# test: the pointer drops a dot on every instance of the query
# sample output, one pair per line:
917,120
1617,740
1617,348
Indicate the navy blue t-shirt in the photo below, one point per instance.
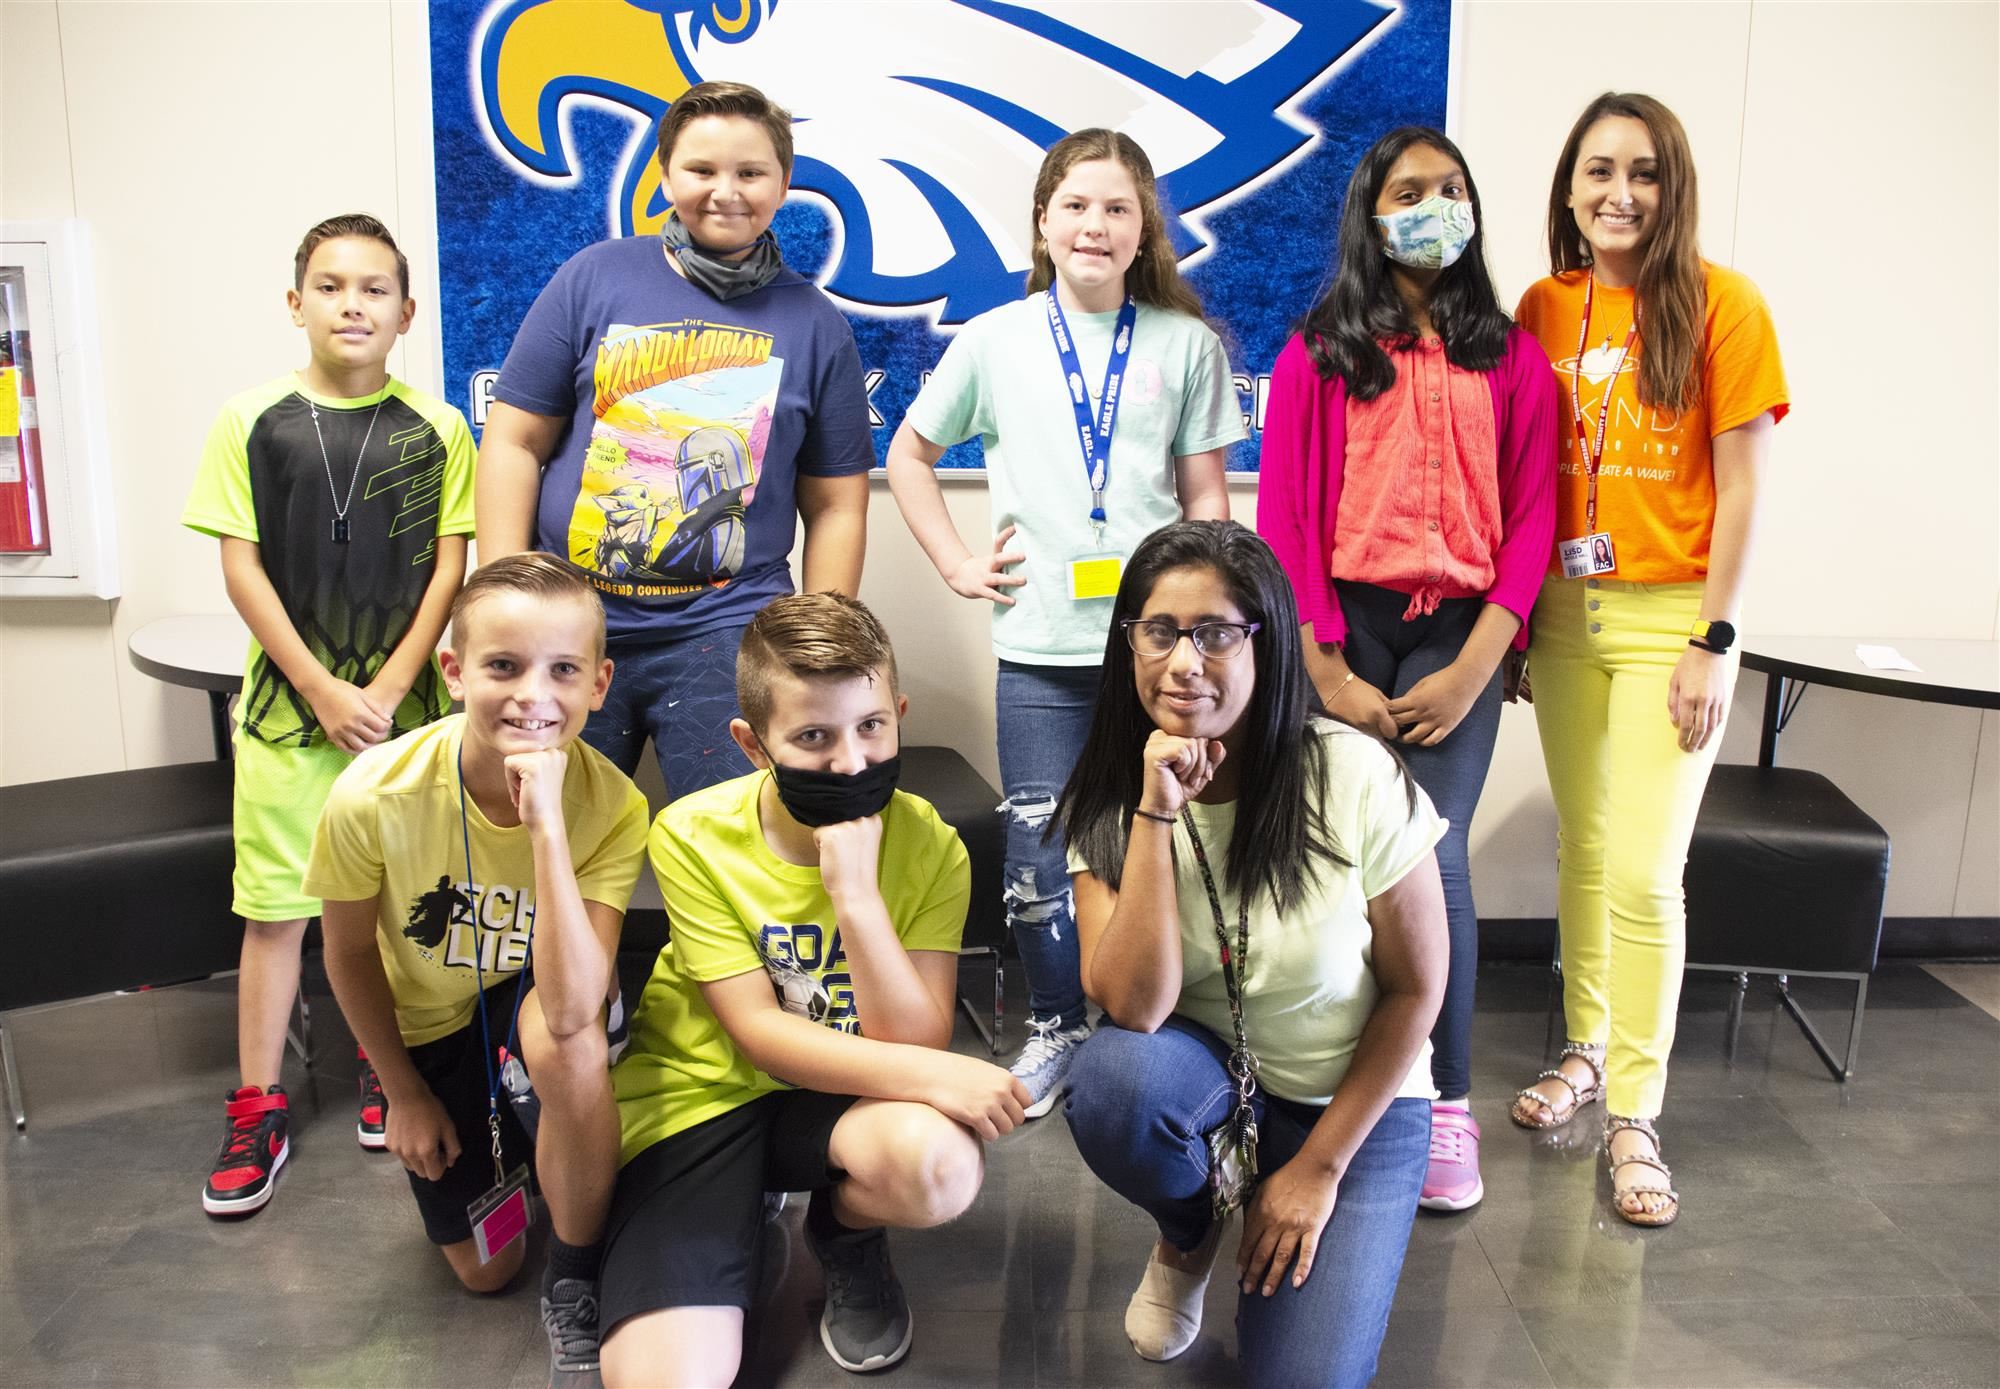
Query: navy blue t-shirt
672,488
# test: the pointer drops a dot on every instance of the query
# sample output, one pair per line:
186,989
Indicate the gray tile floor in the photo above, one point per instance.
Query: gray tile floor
1831,1236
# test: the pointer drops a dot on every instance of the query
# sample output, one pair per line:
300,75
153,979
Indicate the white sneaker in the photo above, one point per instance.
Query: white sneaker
1043,1065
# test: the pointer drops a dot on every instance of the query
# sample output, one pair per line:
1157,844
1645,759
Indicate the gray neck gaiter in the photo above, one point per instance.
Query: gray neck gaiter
725,279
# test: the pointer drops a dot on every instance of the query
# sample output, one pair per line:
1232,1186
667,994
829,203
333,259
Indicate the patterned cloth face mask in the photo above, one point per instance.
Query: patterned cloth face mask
1429,236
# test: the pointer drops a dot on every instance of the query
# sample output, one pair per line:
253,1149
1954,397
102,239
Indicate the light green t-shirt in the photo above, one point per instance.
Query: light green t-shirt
1310,986
737,907
1001,380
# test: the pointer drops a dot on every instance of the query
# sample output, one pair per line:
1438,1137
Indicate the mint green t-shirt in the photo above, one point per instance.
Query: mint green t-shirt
1310,985
1002,381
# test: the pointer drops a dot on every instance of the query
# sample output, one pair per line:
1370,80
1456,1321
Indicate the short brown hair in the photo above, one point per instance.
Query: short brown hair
348,224
728,99
808,634
531,572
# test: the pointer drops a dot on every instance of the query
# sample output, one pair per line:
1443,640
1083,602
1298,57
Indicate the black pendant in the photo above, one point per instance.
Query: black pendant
340,530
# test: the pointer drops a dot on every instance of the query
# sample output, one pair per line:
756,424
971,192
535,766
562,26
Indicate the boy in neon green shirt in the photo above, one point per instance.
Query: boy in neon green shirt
343,500
793,1033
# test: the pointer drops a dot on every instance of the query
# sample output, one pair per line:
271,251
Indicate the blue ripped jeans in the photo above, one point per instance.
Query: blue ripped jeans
682,695
1044,715
1139,1106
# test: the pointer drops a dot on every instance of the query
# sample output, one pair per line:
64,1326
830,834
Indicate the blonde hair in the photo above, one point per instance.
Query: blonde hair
808,634
1155,275
531,572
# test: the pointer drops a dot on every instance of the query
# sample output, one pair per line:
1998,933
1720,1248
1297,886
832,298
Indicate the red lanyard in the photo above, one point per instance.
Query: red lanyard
1594,456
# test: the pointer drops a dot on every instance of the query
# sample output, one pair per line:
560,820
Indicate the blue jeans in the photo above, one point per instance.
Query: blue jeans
682,695
1044,715
1139,1105
1393,655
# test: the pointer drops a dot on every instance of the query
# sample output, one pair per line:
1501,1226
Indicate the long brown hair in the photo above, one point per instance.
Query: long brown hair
1154,277
1672,286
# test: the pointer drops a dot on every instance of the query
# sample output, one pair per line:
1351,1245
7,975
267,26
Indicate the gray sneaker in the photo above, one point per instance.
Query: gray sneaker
570,1318
1043,1065
866,1324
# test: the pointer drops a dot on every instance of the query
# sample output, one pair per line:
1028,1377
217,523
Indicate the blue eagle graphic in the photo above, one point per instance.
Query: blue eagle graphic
921,139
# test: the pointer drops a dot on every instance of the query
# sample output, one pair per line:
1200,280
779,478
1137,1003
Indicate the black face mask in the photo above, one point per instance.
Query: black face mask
724,278
829,798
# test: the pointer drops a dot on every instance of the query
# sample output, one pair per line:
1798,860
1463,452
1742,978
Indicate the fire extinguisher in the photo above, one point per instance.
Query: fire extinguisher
24,509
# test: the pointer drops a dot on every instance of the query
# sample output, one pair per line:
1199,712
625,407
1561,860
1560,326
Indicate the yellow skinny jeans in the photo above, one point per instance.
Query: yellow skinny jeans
1603,653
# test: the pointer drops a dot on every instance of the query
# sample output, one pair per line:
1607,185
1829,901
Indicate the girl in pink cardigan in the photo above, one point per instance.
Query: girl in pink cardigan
1407,485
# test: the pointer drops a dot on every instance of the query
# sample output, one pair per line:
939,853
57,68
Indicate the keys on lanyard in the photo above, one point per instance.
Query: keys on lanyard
1094,433
500,1215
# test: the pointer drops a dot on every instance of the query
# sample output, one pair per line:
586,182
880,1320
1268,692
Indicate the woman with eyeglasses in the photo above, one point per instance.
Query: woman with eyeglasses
1260,918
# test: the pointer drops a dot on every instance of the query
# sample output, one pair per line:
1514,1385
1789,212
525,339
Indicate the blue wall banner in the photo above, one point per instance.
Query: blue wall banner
919,128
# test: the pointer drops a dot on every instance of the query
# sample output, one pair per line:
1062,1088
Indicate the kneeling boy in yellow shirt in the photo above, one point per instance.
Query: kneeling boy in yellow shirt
816,914
448,858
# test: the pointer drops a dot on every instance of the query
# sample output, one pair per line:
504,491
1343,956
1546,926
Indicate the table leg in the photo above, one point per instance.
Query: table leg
1774,708
218,723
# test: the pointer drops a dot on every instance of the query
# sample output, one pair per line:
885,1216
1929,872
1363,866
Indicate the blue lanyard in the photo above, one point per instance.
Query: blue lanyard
1094,435
479,982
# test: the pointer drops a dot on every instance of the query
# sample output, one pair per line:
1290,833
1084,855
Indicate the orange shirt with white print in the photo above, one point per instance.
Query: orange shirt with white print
1656,489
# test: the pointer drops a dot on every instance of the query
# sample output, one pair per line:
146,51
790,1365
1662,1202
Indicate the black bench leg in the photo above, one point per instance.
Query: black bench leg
10,1079
1555,1002
300,1038
1819,1045
1735,1017
989,1034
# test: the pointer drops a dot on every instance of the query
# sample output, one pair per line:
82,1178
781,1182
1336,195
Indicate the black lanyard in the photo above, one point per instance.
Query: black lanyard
1242,1061
479,983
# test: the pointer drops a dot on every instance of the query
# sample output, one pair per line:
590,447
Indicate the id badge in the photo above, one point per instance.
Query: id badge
1094,576
1586,555
500,1216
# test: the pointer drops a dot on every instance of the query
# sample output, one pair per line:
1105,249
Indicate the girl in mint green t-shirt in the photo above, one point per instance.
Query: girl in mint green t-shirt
1105,406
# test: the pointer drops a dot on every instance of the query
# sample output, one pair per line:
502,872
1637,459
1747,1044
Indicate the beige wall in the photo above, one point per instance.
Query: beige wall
1830,138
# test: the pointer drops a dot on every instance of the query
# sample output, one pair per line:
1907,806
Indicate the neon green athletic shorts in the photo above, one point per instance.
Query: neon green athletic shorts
280,792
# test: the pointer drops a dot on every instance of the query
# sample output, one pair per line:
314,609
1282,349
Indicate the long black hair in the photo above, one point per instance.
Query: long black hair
1361,310
1280,828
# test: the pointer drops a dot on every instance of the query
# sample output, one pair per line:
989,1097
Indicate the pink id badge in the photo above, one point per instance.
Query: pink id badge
1586,555
500,1216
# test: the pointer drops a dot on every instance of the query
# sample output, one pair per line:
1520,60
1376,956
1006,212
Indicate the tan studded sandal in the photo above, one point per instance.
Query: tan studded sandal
1663,1186
1526,1101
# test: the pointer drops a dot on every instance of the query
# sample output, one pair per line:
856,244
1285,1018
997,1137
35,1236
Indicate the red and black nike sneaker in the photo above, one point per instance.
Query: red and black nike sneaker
256,1146
371,1124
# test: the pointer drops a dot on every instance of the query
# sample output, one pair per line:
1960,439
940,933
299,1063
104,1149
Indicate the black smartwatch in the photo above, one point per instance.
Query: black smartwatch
1713,636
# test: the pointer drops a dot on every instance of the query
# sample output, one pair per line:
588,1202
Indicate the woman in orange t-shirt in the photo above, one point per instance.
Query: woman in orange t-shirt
1669,370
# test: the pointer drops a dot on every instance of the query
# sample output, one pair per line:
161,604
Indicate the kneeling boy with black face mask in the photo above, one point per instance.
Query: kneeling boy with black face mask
816,914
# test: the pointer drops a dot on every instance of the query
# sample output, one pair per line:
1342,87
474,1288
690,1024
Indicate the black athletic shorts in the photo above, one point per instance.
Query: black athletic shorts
455,1069
687,1216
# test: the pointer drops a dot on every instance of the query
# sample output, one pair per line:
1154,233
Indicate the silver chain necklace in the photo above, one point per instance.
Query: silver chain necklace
340,506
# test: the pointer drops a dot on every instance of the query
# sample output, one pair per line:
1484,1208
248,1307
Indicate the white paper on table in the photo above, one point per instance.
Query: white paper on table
1885,658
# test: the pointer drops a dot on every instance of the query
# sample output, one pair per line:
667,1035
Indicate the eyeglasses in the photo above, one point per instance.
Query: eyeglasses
1153,636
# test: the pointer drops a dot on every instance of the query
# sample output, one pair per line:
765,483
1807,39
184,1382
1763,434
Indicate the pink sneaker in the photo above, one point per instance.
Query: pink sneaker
1451,1183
